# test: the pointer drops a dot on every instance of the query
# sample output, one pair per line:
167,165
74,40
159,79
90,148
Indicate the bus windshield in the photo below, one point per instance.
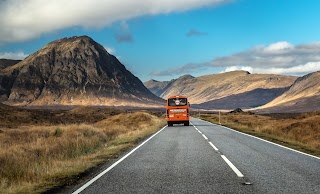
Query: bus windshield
177,102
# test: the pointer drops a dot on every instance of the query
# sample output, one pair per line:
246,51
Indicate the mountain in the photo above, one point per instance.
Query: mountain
302,96
160,88
4,63
225,90
73,71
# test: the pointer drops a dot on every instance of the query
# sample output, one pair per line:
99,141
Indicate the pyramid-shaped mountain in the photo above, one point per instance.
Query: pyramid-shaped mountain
73,71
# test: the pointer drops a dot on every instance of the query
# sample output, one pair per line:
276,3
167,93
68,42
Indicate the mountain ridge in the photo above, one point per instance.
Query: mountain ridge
157,87
218,86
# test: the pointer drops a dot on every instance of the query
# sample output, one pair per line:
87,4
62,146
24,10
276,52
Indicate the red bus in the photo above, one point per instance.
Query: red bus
178,110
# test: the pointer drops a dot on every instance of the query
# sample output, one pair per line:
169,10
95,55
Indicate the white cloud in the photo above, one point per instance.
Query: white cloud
237,68
276,55
11,55
276,58
296,70
278,46
27,19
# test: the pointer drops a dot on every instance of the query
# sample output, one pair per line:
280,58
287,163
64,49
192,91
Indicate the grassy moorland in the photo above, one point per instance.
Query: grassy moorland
298,131
42,149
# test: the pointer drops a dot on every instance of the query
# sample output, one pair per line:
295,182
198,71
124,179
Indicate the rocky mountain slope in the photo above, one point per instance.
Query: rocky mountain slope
4,63
302,96
73,71
225,90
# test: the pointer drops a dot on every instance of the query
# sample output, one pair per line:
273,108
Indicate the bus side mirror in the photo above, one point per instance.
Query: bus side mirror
189,104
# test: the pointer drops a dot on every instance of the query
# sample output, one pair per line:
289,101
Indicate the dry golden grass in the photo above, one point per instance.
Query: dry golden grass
300,132
36,158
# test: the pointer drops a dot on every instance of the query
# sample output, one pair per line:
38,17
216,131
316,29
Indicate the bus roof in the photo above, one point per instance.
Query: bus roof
178,96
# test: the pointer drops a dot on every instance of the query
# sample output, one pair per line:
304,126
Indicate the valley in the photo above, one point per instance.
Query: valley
71,108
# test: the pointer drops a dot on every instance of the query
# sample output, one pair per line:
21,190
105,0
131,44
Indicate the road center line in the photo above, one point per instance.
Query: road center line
197,129
238,173
233,167
205,137
214,147
113,165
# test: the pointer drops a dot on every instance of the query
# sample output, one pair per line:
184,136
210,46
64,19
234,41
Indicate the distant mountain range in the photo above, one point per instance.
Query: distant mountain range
72,71
79,71
237,89
240,89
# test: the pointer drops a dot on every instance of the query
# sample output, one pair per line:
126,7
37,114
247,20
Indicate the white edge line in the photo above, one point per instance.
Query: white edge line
83,187
239,174
205,137
273,143
214,147
268,142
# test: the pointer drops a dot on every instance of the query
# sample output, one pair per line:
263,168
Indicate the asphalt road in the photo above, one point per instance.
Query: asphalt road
206,158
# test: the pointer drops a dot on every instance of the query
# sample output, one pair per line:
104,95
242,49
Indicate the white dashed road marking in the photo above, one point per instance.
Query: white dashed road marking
214,147
233,167
205,137
238,173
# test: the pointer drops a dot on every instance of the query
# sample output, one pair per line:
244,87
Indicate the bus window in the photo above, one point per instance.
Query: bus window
177,102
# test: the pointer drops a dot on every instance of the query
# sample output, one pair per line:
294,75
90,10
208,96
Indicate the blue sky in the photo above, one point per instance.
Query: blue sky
165,39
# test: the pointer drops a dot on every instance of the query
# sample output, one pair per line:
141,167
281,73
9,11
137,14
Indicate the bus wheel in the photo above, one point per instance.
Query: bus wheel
186,123
170,124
